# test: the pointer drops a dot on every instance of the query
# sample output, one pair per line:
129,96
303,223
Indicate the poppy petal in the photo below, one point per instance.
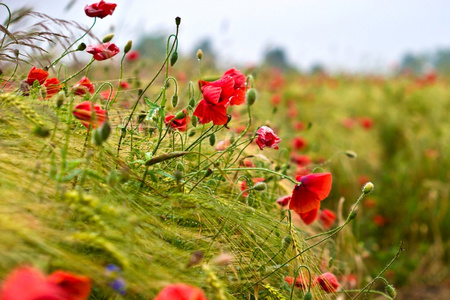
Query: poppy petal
310,216
303,200
318,183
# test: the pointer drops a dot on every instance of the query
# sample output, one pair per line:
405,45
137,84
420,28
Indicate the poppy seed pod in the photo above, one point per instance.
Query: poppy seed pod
108,37
251,96
178,21
81,47
128,46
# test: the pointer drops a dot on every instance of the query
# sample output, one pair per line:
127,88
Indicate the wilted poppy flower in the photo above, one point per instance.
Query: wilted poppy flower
328,282
266,137
103,51
83,86
100,9
327,217
181,291
36,74
178,124
306,196
83,112
27,283
283,201
216,98
244,185
52,87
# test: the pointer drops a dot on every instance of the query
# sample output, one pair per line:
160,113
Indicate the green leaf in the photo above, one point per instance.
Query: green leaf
154,108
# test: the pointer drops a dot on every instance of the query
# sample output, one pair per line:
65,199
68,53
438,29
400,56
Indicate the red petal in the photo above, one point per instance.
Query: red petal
77,287
238,97
310,216
318,183
211,94
303,200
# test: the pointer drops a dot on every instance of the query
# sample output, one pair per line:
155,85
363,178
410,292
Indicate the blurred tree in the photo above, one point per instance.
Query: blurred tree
276,57
153,46
441,61
414,63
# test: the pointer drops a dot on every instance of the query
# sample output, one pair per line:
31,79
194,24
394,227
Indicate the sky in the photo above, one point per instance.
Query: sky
348,35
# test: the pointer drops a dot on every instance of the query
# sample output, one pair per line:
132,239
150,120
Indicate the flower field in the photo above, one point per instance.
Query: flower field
122,178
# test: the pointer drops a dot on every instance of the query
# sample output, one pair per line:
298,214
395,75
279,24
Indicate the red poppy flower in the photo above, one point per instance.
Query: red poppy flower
100,9
105,95
52,86
309,216
244,185
216,98
300,282
83,86
180,291
124,85
299,143
328,282
301,160
283,201
266,137
36,74
178,124
366,122
276,99
83,112
103,51
27,283
327,217
133,55
78,287
379,220
238,96
312,189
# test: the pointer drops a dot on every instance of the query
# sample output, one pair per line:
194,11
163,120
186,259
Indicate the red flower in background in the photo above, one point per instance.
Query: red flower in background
301,160
100,9
379,220
299,143
178,124
36,74
366,122
133,55
103,51
27,283
300,282
244,185
276,99
83,86
283,201
267,138
52,87
327,217
180,291
328,282
108,94
83,112
306,196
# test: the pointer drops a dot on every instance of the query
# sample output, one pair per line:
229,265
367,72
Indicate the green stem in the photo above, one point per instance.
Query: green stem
84,68
264,170
7,23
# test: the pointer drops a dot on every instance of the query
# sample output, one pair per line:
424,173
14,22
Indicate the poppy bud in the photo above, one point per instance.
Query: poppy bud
368,188
390,290
260,186
212,139
105,131
180,167
108,38
192,132
194,121
199,53
308,296
128,47
352,215
251,96
174,100
180,115
60,99
351,154
177,175
177,21
81,47
16,53
192,102
97,138
173,58
208,173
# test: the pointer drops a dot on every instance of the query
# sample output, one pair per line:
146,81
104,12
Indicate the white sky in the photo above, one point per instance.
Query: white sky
343,34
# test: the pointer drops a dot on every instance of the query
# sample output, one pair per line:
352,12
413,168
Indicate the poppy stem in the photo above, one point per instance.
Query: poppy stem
84,68
264,170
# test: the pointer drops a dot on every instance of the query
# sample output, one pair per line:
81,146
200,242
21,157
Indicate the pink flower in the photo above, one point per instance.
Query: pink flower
100,9
267,138
328,282
103,51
